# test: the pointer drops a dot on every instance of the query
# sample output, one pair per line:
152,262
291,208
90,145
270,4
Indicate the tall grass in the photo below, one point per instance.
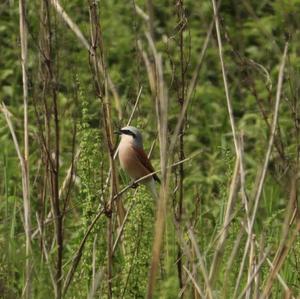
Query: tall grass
223,137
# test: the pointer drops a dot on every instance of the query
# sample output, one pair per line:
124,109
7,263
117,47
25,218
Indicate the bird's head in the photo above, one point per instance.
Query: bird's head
131,134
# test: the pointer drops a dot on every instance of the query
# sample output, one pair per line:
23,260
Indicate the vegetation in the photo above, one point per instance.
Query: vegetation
214,88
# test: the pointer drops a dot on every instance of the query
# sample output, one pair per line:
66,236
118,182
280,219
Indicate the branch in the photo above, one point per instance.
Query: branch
266,163
85,43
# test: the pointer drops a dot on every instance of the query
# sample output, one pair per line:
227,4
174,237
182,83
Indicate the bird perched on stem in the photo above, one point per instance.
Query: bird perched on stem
133,159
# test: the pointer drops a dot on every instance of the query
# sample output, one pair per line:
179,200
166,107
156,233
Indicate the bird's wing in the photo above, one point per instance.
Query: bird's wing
146,162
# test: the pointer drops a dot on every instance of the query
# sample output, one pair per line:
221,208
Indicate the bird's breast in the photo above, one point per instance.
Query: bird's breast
130,161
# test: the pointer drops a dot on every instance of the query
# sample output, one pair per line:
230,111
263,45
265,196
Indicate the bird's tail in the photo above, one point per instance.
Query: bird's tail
151,186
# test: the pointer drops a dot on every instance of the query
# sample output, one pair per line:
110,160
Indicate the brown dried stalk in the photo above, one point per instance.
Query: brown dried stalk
45,252
100,77
181,88
73,26
150,22
51,140
25,186
78,254
162,120
285,243
202,265
265,165
235,182
25,171
196,285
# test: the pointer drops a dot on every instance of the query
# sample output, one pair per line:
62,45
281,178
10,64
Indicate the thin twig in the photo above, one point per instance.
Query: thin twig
202,265
254,274
265,165
78,254
197,287
46,252
229,104
227,220
69,179
27,283
25,172
89,47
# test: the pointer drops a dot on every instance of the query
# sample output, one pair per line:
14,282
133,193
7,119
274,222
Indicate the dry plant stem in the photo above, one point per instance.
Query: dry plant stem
232,123
90,48
248,286
102,94
161,110
109,255
141,13
191,87
196,286
51,148
45,252
202,265
54,159
261,249
229,105
279,277
151,77
7,116
162,118
56,201
189,253
148,66
257,279
69,182
157,243
25,170
283,247
230,112
251,268
195,76
69,179
181,99
243,180
245,202
230,261
121,229
135,106
150,24
96,283
133,257
235,182
281,256
94,264
265,165
78,254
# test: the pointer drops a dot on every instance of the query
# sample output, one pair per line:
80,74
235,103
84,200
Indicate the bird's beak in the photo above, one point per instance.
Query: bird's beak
118,132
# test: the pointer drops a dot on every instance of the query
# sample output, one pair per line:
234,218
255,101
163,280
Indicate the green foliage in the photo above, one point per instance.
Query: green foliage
138,238
253,34
89,173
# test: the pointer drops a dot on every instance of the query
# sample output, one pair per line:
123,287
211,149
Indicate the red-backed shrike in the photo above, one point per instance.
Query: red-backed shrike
133,159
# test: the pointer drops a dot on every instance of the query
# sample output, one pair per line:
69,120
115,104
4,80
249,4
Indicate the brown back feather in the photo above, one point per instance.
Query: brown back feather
146,162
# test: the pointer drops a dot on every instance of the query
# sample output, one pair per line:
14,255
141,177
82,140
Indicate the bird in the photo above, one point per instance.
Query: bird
134,160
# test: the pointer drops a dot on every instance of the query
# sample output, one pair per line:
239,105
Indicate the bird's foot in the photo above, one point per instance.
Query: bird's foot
134,185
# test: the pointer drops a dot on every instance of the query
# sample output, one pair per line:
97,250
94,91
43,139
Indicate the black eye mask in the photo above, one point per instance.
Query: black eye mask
127,132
